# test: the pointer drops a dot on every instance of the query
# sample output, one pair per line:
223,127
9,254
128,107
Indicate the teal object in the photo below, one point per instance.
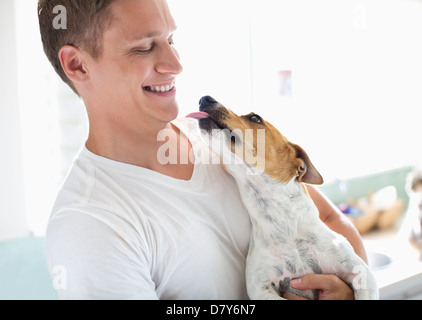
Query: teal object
23,270
341,191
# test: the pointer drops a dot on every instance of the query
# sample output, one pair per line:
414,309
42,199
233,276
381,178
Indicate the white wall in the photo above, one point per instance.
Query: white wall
12,205
356,69
357,79
213,42
49,118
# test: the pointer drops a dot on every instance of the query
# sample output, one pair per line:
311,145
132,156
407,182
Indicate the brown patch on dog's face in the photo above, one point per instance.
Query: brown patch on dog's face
283,159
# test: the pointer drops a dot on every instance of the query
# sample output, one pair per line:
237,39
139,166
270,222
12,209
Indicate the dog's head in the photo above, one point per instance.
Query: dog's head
257,142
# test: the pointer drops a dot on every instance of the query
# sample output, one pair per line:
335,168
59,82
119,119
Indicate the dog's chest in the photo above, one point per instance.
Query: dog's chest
275,204
261,194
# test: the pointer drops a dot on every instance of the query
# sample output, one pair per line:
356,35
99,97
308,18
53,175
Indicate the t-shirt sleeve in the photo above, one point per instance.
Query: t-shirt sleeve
88,259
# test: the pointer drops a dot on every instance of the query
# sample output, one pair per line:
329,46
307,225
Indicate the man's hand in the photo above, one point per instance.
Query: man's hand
330,287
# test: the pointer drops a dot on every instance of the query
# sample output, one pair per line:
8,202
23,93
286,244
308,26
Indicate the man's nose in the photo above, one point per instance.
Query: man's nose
170,62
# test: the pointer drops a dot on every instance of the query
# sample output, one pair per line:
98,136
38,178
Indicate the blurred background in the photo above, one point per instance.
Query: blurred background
341,78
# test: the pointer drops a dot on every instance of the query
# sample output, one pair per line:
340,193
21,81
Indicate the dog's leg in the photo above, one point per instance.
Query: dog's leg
341,260
364,283
265,295
268,292
361,279
261,278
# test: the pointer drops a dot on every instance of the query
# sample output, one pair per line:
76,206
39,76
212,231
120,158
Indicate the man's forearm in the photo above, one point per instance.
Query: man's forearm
337,222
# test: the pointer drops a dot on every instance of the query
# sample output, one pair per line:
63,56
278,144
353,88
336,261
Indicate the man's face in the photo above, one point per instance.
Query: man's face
138,66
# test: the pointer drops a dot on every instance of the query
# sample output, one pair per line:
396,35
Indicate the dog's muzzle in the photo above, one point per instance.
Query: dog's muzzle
206,103
215,111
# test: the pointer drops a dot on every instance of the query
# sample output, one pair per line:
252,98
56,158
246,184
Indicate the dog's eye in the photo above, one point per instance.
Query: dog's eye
255,118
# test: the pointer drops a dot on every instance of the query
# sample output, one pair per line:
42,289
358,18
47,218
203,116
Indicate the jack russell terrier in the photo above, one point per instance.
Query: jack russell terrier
288,239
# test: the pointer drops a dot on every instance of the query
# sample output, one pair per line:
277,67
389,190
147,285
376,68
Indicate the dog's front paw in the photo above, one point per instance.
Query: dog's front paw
366,294
265,294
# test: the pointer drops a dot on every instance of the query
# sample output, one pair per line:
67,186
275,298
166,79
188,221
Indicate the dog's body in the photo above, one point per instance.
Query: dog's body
288,238
289,241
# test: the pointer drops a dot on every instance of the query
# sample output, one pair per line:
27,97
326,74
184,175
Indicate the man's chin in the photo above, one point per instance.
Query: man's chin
168,112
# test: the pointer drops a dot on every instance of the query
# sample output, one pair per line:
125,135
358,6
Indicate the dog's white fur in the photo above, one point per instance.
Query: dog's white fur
288,239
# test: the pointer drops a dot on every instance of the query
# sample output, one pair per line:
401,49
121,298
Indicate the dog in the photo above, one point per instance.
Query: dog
288,239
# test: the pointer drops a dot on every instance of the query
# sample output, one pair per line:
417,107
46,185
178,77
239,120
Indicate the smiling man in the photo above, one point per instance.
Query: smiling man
125,225
136,70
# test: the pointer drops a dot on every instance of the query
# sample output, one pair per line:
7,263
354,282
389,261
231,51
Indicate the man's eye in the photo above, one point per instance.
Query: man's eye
255,118
143,51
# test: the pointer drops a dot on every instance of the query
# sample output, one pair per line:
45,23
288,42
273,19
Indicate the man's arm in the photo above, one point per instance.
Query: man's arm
337,222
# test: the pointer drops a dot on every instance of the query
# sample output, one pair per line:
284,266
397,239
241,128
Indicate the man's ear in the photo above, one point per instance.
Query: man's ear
306,171
73,64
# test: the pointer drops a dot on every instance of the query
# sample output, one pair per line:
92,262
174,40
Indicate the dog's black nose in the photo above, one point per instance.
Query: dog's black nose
206,102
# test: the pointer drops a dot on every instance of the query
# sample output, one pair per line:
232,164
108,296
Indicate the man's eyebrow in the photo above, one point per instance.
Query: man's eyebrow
150,34
146,35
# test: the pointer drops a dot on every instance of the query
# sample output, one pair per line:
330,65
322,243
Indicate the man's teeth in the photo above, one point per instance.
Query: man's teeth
161,88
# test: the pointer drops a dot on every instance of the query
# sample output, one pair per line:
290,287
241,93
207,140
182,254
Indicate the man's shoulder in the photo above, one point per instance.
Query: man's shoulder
187,125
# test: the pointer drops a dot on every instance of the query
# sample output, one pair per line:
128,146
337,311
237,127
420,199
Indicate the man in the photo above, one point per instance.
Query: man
126,225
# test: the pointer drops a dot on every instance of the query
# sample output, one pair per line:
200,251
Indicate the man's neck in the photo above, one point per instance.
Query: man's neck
141,148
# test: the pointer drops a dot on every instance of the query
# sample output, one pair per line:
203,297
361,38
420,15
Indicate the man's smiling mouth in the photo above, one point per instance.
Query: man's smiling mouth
160,88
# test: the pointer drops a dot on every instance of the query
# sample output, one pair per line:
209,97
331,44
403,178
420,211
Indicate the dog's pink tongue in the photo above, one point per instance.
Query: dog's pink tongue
198,115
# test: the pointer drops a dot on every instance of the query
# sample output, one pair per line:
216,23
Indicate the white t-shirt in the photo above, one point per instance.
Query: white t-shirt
119,231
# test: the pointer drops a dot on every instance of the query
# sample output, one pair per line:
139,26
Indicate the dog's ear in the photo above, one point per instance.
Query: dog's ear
306,171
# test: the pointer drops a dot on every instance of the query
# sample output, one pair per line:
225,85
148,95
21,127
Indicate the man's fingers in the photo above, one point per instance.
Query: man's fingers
330,287
314,282
290,296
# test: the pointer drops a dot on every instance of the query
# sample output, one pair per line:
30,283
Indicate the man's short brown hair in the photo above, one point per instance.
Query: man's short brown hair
86,21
